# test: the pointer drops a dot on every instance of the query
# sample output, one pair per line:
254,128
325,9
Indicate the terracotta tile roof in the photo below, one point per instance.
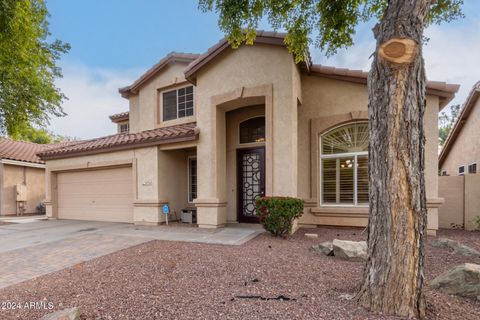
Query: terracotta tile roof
168,59
118,117
460,122
265,37
436,88
26,151
121,141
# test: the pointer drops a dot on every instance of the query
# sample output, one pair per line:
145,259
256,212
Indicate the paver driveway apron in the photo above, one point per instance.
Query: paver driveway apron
30,250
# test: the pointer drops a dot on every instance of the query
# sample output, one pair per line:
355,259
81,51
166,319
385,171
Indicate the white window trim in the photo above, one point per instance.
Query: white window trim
176,89
458,170
339,155
189,158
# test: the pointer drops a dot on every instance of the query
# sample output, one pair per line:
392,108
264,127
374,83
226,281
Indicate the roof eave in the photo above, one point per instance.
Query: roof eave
445,95
119,119
191,71
169,59
457,127
136,145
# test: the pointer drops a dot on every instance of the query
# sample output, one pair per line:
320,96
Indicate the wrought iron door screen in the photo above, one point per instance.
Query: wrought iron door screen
251,181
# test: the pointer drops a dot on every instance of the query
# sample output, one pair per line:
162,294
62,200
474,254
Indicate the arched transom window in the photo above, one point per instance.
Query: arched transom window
344,165
252,130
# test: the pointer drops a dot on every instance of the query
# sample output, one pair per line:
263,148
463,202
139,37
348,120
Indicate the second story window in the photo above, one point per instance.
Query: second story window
177,103
124,127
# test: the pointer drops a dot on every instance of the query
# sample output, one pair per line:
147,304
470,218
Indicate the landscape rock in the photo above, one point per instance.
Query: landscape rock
66,314
325,248
456,246
311,235
350,250
463,280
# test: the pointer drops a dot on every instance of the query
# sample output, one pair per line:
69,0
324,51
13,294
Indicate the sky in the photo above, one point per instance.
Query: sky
114,41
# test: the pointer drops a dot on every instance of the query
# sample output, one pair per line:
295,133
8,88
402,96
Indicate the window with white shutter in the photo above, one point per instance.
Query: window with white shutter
344,165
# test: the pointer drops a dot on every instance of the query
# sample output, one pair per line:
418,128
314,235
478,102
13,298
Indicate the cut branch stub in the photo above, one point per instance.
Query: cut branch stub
398,50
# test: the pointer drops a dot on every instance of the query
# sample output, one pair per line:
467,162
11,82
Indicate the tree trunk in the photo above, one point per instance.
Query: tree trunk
394,273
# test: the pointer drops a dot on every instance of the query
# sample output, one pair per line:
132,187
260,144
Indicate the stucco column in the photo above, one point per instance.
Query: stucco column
147,206
211,162
431,164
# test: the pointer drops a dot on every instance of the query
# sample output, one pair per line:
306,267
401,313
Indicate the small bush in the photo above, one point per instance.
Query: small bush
476,222
277,214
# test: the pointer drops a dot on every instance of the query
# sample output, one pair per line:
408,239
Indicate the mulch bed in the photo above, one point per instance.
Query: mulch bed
266,278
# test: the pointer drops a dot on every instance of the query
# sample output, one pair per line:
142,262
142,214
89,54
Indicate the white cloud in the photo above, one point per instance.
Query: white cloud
92,96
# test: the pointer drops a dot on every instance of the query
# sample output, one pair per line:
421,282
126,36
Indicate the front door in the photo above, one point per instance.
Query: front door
251,181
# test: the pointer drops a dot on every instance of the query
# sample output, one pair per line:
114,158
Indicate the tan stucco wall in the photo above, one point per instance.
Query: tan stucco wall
245,68
472,200
13,175
451,189
145,106
173,179
233,119
466,147
328,98
462,201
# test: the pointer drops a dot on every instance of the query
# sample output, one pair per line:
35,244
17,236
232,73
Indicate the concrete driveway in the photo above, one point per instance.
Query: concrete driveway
29,250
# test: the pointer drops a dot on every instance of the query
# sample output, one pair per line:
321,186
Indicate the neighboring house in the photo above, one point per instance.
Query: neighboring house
216,130
459,159
20,167
461,153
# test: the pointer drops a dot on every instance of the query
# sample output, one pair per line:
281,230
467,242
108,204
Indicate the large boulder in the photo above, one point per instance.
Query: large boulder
350,250
463,280
66,314
325,248
456,246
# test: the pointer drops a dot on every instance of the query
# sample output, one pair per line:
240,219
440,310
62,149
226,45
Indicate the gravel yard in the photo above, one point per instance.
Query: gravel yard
266,278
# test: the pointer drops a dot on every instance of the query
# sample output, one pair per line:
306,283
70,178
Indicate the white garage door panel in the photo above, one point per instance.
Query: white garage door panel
102,195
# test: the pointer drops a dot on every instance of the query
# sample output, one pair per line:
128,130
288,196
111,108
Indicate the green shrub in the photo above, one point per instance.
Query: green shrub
277,214
476,222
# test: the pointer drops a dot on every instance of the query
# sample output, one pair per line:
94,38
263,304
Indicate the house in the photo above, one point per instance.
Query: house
461,152
21,170
216,130
459,183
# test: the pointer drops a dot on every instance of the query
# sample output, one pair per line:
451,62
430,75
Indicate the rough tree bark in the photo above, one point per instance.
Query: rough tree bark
394,273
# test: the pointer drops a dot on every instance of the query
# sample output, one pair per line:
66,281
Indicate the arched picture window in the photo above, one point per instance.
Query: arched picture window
252,130
344,165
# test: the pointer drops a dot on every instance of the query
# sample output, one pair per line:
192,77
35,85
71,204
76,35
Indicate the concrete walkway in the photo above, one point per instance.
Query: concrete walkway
29,250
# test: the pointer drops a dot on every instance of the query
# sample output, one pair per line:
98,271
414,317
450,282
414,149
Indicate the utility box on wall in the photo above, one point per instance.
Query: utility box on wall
21,192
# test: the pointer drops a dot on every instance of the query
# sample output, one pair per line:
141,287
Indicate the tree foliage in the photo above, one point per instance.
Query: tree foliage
327,24
445,123
38,135
28,67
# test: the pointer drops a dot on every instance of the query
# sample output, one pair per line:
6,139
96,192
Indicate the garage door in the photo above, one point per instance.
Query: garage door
101,195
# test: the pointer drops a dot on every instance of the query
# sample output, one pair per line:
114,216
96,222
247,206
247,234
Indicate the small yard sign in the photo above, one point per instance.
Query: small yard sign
166,211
